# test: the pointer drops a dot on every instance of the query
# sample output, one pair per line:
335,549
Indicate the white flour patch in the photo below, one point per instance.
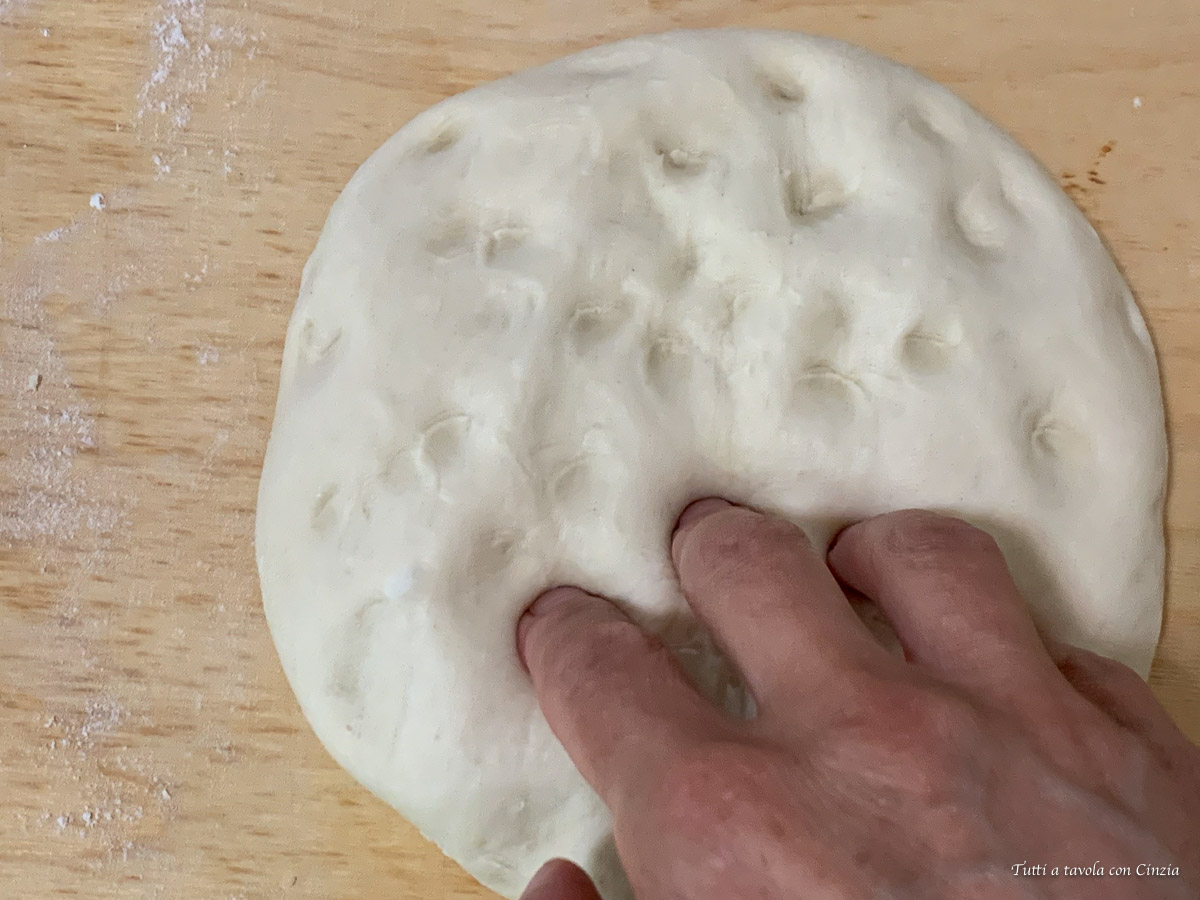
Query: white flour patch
67,512
188,52
116,788
92,309
47,500
57,234
53,504
105,293
100,716
10,9
191,279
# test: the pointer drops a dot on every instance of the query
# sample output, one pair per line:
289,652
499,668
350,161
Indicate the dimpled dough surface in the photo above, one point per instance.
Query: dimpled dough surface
553,309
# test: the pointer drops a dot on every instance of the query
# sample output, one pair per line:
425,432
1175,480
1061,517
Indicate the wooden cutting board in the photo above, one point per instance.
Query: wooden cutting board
165,168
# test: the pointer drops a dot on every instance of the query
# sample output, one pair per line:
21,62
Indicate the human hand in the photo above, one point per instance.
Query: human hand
862,775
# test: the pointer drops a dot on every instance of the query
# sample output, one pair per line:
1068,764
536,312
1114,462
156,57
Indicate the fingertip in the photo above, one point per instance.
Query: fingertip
699,509
523,624
837,537
544,604
611,692
693,513
560,879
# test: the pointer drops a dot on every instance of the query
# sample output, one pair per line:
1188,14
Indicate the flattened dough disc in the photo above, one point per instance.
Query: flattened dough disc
553,309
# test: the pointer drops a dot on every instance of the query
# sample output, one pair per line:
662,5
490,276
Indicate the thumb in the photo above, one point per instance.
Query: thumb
560,880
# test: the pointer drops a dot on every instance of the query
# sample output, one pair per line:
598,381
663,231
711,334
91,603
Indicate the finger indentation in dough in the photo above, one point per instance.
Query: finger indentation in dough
397,469
667,363
570,484
503,240
323,511
445,136
807,193
317,343
935,122
823,390
493,551
450,238
682,265
732,301
1054,438
981,219
781,84
511,306
591,324
441,442
681,160
929,346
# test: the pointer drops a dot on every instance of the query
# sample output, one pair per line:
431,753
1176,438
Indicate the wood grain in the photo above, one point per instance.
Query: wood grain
149,745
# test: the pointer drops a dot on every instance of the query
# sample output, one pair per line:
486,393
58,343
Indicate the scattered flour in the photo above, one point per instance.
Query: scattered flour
10,9
115,790
46,500
67,512
188,51
100,716
57,234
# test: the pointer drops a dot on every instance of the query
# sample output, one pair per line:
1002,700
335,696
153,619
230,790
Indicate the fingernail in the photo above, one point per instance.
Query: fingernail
692,514
696,511
559,879
541,884
542,604
547,600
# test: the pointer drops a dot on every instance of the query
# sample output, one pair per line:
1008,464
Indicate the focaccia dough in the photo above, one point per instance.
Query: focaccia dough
553,309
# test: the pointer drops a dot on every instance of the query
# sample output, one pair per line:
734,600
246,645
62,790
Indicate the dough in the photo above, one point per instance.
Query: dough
553,309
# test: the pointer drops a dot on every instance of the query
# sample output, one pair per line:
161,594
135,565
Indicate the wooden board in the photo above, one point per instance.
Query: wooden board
165,168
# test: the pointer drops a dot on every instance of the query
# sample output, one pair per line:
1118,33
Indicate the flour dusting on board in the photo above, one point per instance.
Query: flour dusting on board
48,498
10,9
105,301
69,511
189,51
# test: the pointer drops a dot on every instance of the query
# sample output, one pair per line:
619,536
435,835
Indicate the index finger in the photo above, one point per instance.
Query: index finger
612,693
